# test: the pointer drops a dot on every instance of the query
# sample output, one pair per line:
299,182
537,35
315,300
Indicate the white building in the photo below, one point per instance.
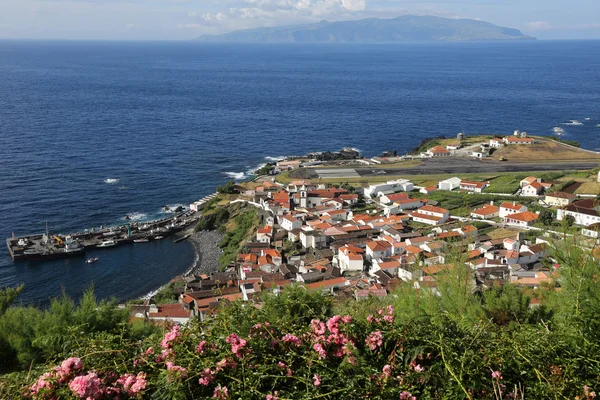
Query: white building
508,208
289,222
522,219
379,249
431,215
533,190
449,184
559,199
400,185
476,187
585,212
350,258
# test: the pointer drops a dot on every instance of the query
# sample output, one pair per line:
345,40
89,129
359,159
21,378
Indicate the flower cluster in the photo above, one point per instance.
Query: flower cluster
237,344
374,340
170,337
133,384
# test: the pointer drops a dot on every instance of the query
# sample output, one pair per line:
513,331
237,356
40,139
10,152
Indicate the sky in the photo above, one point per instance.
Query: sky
187,19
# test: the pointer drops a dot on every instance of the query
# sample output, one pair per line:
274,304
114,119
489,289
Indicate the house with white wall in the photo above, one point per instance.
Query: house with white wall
508,208
289,222
430,215
399,185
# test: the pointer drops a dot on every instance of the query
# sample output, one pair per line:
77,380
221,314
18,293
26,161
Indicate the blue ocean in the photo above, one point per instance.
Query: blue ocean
91,132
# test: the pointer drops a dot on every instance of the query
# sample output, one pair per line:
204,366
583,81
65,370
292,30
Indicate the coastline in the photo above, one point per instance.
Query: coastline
206,248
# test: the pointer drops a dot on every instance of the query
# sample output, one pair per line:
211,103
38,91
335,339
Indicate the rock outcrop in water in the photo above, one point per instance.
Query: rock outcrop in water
407,28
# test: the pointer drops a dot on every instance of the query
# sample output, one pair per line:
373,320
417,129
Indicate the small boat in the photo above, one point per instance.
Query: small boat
108,243
143,240
91,260
158,237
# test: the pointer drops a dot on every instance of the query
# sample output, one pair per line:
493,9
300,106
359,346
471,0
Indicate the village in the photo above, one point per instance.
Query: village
360,240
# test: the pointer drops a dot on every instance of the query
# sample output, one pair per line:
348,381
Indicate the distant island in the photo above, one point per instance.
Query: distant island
408,28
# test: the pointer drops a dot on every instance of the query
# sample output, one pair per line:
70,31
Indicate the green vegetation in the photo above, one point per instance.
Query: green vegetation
453,344
573,143
265,169
213,220
29,336
168,294
426,144
228,188
240,228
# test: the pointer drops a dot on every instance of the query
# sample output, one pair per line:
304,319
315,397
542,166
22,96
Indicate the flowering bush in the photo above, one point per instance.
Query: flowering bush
297,346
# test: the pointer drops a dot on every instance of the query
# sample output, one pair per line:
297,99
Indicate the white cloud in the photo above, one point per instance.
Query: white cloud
539,25
548,26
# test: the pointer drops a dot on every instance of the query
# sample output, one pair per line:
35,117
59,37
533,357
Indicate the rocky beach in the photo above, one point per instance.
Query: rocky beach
206,245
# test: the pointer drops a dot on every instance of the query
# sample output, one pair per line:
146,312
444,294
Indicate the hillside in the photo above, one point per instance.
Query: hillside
400,29
455,343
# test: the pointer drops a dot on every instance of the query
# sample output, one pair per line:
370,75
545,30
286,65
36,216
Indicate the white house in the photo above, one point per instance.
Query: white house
264,235
379,249
431,215
591,231
496,143
585,212
437,151
337,215
289,222
529,180
532,190
313,239
390,267
350,258
400,185
524,218
449,184
488,211
509,140
508,208
476,187
390,198
559,199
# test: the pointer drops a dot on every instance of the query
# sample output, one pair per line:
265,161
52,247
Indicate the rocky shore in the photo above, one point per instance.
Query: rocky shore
206,244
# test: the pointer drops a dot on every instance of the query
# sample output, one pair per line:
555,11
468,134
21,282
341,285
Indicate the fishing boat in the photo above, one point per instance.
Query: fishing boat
142,240
108,243
91,260
158,237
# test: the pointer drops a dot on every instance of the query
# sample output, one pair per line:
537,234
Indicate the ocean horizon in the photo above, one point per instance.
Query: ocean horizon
94,131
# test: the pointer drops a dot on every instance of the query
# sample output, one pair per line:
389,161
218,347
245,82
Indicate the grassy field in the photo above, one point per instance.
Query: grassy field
543,150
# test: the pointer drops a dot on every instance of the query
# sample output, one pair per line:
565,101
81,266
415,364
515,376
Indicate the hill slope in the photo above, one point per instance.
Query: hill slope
404,28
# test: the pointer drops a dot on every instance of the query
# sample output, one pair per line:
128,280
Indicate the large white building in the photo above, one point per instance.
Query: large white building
400,185
449,184
431,215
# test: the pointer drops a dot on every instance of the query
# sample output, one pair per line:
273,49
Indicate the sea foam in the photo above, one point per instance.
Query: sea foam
112,181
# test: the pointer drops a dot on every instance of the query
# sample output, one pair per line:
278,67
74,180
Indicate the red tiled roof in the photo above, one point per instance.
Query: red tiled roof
171,311
511,206
526,216
433,209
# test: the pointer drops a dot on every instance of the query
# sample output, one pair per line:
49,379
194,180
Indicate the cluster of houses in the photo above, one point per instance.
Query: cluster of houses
481,151
315,237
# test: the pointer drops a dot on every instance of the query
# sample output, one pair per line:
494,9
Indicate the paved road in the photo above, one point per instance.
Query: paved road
450,165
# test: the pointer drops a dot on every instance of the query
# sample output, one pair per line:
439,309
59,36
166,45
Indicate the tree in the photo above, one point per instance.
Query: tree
8,297
546,217
228,188
570,220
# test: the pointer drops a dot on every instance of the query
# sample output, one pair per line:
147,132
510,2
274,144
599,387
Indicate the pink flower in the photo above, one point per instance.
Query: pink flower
133,384
319,349
496,375
42,383
221,392
272,396
389,319
374,340
200,347
288,338
281,365
387,370
318,327
86,386
170,336
71,363
332,324
149,351
317,380
207,377
237,344
370,319
418,368
347,319
407,396
177,371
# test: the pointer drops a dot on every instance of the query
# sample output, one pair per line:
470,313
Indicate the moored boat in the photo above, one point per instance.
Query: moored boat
91,260
108,243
